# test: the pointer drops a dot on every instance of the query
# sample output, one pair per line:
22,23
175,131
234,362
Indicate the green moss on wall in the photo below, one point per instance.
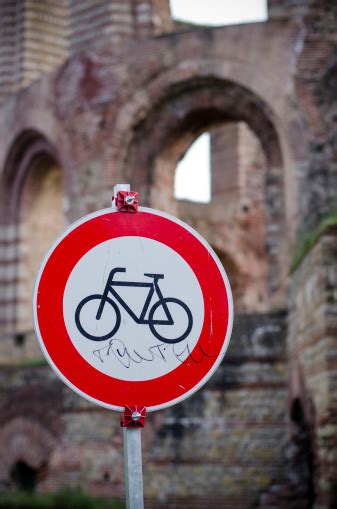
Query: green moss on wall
63,499
308,240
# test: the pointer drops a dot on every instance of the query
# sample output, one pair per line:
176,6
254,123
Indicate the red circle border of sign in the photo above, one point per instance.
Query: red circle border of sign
58,348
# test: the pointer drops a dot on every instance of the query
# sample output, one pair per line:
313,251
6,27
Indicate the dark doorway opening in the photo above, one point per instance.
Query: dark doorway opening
24,477
302,453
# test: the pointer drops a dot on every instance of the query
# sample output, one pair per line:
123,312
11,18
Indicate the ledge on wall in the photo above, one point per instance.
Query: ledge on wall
308,240
28,363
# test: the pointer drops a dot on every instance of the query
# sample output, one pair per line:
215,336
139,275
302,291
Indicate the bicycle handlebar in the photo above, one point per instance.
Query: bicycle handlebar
123,269
116,269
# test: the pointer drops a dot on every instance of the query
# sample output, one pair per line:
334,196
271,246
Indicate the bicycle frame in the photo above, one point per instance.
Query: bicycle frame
153,288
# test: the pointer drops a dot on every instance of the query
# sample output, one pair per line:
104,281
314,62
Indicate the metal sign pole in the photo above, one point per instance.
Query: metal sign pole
133,468
132,421
133,417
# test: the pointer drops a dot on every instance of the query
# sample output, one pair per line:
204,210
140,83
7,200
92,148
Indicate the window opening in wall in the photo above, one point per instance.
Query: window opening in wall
192,178
296,412
24,477
107,476
19,339
219,12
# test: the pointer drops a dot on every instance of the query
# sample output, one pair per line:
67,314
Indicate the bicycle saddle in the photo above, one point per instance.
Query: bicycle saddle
155,276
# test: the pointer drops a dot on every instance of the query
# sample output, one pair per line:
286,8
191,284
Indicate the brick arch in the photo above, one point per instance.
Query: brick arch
191,106
29,148
188,106
23,439
163,85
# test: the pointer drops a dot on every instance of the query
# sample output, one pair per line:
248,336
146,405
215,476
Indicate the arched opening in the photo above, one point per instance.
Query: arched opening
25,449
245,218
23,476
41,220
34,215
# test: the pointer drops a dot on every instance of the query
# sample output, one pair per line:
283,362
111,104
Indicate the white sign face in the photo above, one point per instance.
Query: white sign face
133,308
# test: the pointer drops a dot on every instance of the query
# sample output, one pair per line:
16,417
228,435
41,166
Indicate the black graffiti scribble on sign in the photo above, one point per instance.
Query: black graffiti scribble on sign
117,350
166,306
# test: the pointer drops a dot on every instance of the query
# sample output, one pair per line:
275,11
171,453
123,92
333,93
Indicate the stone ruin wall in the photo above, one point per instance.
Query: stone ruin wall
262,433
312,347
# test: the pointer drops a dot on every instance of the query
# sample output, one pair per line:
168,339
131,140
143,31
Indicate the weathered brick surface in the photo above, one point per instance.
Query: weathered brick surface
312,344
315,82
33,37
37,37
225,439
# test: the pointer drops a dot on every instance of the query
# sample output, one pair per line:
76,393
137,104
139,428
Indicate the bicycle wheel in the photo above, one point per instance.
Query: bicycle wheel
92,328
181,316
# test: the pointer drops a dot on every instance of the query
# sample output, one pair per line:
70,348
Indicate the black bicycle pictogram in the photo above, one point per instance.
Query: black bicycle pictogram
165,307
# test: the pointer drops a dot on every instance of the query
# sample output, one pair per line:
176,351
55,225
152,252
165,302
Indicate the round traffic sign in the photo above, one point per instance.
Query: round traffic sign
132,309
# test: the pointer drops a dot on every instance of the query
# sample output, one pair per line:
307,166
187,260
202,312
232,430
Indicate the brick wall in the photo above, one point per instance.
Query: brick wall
225,443
225,173
312,344
315,82
93,22
33,40
37,37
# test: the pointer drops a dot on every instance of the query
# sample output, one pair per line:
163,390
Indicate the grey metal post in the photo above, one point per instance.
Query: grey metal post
132,437
133,468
